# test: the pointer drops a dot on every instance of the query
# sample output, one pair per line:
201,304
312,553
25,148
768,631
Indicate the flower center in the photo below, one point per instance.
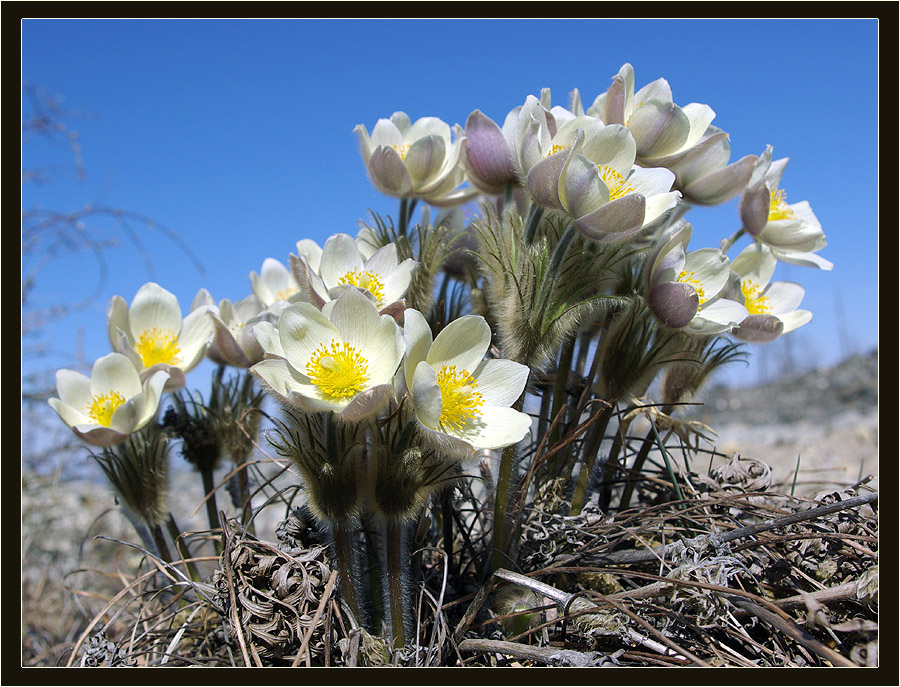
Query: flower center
402,149
616,183
778,207
459,400
158,346
688,278
286,293
556,148
103,407
754,301
366,280
340,371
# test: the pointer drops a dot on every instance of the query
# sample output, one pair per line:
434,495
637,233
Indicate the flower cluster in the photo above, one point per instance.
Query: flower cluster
398,353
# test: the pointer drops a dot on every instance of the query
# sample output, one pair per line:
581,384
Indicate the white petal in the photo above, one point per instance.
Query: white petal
501,382
309,249
153,389
117,320
426,395
462,343
196,333
384,351
497,428
416,339
114,372
655,206
700,117
301,330
396,283
367,403
280,377
125,418
794,320
153,306
756,262
72,416
784,296
711,267
356,318
383,261
804,259
340,255
74,389
651,181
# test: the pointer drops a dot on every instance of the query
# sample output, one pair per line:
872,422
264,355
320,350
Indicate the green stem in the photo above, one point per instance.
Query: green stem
376,575
534,219
407,206
669,468
159,538
634,473
346,564
561,383
505,481
397,579
212,510
726,245
592,448
447,528
246,506
182,546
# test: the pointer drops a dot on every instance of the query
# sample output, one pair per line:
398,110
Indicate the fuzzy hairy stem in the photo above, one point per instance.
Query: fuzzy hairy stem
502,494
347,567
397,579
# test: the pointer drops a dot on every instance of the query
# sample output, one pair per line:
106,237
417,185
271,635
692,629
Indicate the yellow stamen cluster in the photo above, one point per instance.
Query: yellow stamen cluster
778,207
339,370
158,346
556,148
688,278
616,183
460,402
366,280
103,407
755,303
285,294
402,149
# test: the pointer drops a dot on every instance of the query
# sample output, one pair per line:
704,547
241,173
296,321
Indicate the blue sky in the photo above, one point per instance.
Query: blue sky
238,135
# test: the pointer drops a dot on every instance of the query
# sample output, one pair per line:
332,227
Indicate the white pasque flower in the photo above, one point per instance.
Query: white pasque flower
791,230
593,179
340,359
152,333
343,265
418,159
772,306
659,126
113,402
681,139
233,342
461,400
683,288
275,284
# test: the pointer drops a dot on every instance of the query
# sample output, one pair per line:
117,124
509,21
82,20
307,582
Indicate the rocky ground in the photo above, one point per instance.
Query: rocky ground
827,418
